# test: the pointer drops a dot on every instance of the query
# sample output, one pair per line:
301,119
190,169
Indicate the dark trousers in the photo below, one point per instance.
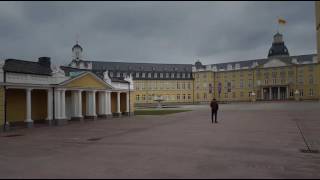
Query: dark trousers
215,115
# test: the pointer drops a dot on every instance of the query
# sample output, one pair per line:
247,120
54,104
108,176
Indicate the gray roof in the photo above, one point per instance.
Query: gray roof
140,67
308,58
26,67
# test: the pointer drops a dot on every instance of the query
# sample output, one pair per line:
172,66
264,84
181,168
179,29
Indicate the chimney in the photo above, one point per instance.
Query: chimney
44,61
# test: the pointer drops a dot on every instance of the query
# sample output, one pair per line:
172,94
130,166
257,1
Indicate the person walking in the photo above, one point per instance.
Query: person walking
214,110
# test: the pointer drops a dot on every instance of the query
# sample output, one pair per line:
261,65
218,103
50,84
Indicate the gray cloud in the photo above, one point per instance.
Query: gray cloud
165,32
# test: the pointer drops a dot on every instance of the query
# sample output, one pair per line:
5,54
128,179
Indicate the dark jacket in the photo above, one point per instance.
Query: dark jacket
214,106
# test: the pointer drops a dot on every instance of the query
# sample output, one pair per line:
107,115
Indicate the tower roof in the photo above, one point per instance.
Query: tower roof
77,46
278,47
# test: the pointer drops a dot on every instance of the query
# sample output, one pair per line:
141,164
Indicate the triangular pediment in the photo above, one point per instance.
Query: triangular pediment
86,80
274,63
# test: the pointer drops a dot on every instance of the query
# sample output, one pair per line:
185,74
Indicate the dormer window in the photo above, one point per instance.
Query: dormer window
111,74
178,75
155,75
118,74
167,75
143,75
172,75
149,75
137,74
161,75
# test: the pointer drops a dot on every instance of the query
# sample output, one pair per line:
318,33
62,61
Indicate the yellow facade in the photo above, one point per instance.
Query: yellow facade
317,10
16,105
238,85
1,106
171,91
203,86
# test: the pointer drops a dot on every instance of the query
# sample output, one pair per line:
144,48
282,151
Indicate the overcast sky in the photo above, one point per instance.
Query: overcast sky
161,32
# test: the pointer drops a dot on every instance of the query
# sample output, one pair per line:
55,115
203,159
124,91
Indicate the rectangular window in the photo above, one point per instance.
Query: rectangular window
137,74
311,92
291,92
274,81
189,86
241,83
311,79
167,75
301,92
155,75
172,75
161,75
137,97
183,75
300,81
266,81
189,96
183,86
149,75
241,94
178,85
143,75
178,96
143,97
178,75
184,96
250,83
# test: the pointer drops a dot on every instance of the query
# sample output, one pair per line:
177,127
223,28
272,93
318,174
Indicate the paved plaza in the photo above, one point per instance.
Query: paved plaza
260,140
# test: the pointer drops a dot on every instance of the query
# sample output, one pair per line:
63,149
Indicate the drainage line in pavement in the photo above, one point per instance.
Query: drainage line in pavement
304,139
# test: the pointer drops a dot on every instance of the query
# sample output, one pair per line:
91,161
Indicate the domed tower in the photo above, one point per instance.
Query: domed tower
77,52
278,47
198,64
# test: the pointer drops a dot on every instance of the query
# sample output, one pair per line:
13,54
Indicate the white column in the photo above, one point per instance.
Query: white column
74,103
278,93
101,95
91,103
88,105
57,104
118,102
108,102
49,104
79,103
270,93
127,108
63,104
94,103
28,104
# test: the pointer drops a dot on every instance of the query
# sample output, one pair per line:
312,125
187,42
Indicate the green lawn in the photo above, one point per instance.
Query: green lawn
158,112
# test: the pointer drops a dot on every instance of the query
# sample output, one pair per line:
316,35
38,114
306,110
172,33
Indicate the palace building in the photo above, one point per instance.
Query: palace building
279,76
34,92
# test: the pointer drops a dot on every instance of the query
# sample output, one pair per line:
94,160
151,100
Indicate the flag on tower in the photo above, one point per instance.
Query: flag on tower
282,21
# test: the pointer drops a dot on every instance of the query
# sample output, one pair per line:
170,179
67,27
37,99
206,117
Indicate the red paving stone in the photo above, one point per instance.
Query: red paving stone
255,141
